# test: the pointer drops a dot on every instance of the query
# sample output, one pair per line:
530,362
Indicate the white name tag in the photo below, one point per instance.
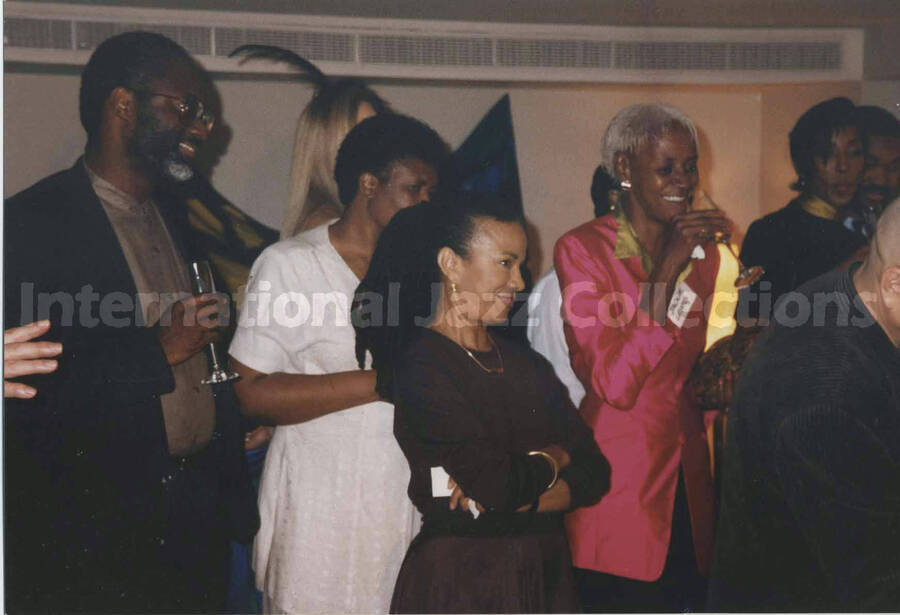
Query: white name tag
680,305
439,478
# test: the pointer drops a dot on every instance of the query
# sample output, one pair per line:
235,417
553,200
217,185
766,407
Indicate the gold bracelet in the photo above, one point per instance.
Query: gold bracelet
553,465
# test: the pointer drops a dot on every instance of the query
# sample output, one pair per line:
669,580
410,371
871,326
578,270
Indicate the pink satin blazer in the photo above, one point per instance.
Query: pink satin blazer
634,371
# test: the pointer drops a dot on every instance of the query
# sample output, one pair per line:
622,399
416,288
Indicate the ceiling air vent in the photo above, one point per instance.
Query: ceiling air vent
549,53
671,56
55,33
316,46
421,51
28,33
784,56
89,34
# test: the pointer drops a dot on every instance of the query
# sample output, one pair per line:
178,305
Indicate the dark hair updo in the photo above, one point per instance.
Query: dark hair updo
401,289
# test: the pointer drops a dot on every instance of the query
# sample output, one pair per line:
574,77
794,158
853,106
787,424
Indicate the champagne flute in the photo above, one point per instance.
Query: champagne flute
746,275
202,282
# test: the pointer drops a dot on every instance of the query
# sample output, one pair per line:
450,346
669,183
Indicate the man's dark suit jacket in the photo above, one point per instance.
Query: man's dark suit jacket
87,459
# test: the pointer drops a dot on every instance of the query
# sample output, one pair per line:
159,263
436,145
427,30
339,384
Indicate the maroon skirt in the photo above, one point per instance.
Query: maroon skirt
529,573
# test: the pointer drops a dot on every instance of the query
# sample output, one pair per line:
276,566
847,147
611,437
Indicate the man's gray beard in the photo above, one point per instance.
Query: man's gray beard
176,169
156,149
172,167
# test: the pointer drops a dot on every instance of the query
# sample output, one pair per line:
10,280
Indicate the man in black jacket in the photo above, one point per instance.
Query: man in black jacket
881,179
124,474
810,513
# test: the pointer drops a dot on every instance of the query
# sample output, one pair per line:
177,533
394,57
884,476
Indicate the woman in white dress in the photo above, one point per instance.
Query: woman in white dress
335,517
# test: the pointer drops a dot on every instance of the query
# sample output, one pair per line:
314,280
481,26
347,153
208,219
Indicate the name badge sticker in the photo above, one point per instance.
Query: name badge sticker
439,478
680,305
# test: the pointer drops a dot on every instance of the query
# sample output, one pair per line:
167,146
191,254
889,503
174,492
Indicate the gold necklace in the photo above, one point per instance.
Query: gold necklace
495,370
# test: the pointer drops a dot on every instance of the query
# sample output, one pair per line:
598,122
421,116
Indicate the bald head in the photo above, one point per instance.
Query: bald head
886,243
878,280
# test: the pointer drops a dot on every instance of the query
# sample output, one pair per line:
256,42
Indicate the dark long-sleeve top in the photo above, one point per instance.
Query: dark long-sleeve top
480,426
810,512
793,246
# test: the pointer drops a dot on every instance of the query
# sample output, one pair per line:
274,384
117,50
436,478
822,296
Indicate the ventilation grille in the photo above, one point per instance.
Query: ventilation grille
197,40
785,56
671,56
544,53
450,50
37,33
317,46
426,51
728,56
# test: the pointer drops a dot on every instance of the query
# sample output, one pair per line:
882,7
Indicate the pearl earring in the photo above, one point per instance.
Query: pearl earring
626,185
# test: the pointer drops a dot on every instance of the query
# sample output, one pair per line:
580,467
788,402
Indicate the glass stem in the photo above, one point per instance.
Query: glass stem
214,357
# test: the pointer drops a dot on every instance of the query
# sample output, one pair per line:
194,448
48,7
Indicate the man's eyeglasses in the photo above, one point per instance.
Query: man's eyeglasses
190,109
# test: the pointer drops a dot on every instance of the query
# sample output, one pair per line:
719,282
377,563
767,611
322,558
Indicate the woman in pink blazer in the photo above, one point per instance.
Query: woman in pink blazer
635,285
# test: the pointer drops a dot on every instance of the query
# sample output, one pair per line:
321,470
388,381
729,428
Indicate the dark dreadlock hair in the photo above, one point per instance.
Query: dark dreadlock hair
402,286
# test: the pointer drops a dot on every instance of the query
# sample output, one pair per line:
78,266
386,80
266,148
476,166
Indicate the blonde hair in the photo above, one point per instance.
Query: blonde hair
322,126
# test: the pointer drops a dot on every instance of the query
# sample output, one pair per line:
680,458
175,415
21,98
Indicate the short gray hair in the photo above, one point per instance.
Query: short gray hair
635,125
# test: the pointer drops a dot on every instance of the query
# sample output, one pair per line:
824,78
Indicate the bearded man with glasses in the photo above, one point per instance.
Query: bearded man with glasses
124,475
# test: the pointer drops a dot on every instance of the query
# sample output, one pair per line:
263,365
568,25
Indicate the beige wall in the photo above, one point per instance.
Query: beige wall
884,93
743,145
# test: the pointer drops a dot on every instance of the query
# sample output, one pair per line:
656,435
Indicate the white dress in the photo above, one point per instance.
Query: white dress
335,517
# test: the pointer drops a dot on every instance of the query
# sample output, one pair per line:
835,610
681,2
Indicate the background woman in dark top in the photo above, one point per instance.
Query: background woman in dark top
489,411
806,238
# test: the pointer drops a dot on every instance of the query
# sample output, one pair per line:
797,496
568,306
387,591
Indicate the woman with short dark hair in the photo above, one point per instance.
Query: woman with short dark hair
335,520
806,238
